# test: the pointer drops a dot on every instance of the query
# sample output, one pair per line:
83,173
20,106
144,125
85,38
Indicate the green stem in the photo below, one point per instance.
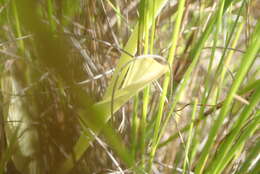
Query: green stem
247,60
175,37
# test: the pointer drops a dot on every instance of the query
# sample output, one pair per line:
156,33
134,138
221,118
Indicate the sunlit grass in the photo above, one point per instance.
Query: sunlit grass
183,98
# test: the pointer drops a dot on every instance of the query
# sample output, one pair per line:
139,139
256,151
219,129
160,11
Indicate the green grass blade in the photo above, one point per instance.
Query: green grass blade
187,147
247,60
175,37
228,142
130,47
254,151
121,96
247,132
